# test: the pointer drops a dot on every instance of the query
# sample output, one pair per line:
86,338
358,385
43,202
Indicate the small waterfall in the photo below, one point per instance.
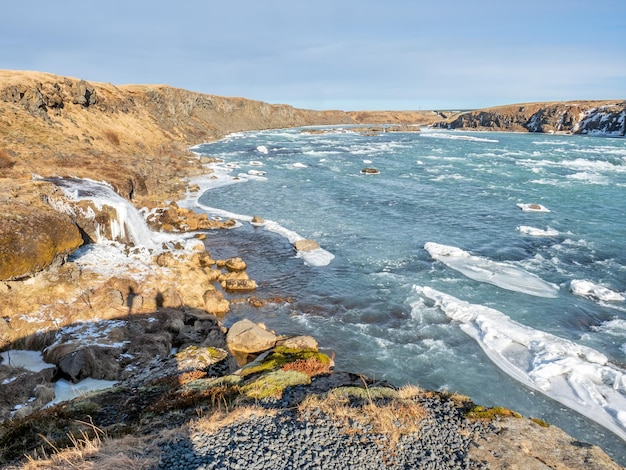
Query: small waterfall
128,222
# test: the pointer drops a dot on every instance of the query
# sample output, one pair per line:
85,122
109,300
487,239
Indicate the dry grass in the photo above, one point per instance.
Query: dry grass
98,452
311,366
5,160
391,417
218,420
112,137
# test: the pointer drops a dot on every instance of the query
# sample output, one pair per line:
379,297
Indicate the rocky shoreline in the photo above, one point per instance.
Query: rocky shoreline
189,392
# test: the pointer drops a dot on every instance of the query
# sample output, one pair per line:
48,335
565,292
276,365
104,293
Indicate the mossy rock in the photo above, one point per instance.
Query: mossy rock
271,385
280,356
540,422
481,413
204,384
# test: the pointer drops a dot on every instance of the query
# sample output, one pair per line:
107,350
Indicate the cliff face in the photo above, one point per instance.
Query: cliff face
135,137
607,118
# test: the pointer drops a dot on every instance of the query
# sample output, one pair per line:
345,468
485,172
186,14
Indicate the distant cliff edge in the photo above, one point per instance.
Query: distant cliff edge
600,118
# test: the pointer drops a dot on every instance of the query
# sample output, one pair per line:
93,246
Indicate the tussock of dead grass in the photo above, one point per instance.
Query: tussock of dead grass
393,418
221,418
99,452
311,366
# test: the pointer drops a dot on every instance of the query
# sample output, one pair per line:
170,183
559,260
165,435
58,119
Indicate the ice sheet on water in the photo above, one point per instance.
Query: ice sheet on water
533,207
64,390
594,291
577,376
31,360
499,274
537,232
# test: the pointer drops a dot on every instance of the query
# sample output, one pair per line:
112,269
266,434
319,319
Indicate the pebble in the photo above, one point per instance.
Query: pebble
286,441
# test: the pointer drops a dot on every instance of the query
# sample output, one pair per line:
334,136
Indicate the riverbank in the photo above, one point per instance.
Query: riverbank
108,319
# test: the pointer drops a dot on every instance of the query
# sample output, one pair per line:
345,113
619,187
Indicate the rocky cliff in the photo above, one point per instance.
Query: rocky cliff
603,118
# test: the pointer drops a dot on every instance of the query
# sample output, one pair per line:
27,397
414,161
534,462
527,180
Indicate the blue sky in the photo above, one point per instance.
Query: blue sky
350,55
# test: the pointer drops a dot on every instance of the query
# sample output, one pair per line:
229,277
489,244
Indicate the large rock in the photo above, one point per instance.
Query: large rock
211,361
248,337
32,238
306,245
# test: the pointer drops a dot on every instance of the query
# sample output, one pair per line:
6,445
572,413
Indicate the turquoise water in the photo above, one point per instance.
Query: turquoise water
393,310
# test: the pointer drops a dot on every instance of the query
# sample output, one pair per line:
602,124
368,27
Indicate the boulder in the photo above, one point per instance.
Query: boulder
248,337
32,238
257,221
239,285
214,362
235,264
97,362
306,245
299,342
214,302
197,328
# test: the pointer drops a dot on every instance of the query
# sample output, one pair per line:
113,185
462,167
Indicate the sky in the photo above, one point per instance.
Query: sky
342,54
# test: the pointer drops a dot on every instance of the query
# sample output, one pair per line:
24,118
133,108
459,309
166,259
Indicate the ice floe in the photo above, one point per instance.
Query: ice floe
594,291
499,274
532,207
576,376
262,149
537,232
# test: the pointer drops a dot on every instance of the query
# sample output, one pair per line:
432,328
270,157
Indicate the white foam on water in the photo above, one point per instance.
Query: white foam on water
594,291
615,327
441,135
589,177
30,360
299,165
537,232
262,149
499,274
576,376
532,207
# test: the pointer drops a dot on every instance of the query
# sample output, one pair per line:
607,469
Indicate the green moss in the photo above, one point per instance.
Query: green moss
281,356
480,412
273,384
540,422
204,384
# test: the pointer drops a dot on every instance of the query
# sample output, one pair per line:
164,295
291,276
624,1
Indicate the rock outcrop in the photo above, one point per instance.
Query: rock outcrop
33,236
605,118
